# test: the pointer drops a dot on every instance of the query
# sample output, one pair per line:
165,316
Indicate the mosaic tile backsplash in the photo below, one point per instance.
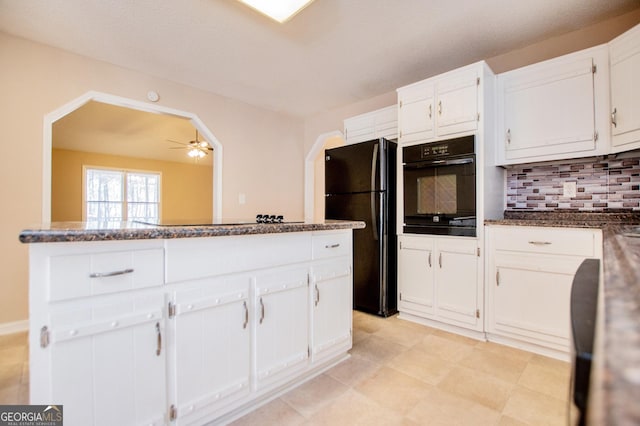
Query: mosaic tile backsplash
602,184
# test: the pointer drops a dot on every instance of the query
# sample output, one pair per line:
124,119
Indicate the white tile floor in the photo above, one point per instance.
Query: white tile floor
400,373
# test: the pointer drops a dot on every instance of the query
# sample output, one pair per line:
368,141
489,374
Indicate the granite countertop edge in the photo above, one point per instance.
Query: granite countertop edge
79,232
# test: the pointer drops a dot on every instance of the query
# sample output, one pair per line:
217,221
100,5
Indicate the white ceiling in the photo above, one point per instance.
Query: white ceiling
333,53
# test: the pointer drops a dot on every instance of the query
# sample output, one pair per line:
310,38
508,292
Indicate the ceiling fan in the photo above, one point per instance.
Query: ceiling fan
196,148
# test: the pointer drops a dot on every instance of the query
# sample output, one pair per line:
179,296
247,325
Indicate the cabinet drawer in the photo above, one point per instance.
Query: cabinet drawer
569,241
331,244
82,275
194,258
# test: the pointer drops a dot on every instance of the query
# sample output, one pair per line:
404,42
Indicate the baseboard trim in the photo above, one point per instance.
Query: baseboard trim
14,327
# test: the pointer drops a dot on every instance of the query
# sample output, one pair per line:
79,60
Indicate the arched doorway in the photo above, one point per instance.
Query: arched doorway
75,104
314,174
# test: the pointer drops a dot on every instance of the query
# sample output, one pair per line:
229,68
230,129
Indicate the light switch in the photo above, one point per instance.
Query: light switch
569,189
242,198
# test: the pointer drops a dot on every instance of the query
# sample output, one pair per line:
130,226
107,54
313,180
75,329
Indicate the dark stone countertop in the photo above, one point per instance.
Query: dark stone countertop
615,392
615,385
82,231
566,219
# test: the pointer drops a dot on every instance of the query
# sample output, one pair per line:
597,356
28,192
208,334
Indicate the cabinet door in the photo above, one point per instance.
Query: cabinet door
416,113
108,362
282,324
530,297
360,128
415,276
457,103
548,109
457,292
210,344
625,91
331,298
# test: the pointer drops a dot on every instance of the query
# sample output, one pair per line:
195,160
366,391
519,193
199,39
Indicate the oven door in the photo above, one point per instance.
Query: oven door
440,197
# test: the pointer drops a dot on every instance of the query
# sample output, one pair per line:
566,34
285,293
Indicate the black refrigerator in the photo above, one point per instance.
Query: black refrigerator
360,184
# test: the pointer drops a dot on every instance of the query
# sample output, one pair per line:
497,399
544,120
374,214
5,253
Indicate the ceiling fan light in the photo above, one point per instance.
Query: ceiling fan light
279,10
196,153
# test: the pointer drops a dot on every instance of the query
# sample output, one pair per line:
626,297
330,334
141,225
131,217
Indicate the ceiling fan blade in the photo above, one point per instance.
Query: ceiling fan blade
181,143
178,147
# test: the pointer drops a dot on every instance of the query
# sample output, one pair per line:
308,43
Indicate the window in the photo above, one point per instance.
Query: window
112,195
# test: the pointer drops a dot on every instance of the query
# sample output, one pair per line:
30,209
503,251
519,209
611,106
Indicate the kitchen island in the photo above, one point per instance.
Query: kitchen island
141,324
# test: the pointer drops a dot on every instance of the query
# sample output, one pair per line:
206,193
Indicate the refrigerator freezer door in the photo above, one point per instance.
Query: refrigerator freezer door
355,168
369,248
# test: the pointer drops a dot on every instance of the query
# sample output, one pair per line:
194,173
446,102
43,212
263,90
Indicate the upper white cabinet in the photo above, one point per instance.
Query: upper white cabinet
624,58
440,106
381,123
554,109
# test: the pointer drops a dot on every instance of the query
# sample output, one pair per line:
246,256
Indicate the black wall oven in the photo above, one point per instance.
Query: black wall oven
440,187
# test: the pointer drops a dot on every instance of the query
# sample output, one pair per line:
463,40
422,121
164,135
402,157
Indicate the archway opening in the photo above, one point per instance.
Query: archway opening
131,135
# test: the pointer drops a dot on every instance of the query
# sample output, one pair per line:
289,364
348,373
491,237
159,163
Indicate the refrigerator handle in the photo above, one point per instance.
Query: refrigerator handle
374,165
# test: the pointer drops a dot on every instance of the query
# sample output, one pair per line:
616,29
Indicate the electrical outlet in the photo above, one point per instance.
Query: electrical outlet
569,189
242,198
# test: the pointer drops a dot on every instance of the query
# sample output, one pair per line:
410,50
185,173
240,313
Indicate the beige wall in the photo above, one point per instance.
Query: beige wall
263,150
187,190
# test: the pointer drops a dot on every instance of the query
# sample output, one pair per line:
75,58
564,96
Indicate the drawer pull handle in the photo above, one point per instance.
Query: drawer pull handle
110,274
540,243
332,246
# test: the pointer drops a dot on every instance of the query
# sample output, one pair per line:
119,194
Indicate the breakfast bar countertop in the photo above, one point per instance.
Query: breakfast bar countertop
113,231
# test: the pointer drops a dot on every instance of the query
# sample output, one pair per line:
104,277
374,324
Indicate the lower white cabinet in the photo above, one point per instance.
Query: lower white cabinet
438,280
331,297
210,345
529,277
282,323
105,355
198,345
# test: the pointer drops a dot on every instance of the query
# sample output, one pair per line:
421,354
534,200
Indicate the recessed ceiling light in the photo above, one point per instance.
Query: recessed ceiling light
280,10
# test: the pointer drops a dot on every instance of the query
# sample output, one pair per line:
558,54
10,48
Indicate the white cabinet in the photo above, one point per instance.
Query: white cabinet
416,276
210,344
282,323
624,54
233,321
529,276
438,280
381,123
554,109
440,106
92,354
332,302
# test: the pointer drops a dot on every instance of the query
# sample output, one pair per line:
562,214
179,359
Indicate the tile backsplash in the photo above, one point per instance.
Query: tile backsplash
602,184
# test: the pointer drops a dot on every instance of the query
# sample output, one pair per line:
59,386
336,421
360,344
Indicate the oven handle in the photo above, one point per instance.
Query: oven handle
437,163
374,165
